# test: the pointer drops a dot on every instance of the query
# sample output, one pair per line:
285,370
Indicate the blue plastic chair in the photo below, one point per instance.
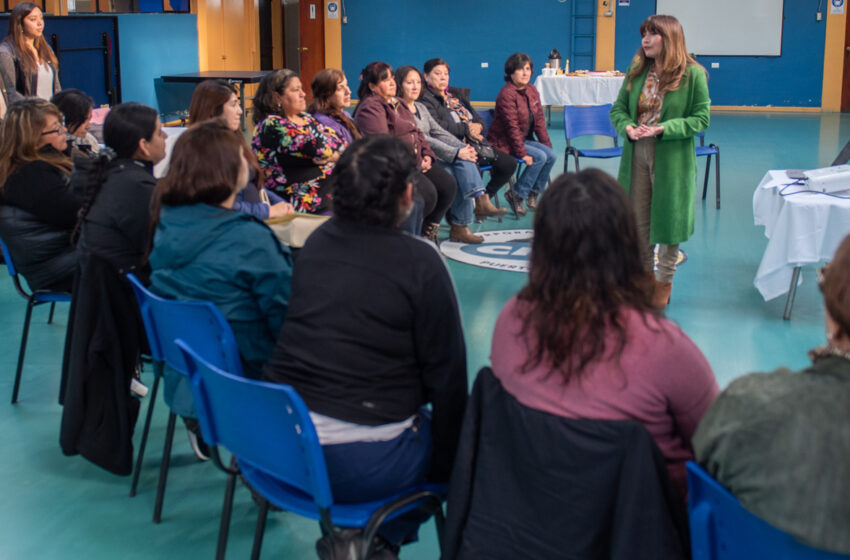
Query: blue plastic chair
202,325
267,427
708,151
721,529
37,297
593,120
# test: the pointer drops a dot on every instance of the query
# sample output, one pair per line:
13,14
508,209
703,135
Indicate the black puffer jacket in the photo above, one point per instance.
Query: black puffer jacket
436,105
38,211
42,253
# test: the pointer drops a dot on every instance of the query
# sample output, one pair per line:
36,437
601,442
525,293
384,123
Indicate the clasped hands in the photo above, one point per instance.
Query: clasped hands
643,131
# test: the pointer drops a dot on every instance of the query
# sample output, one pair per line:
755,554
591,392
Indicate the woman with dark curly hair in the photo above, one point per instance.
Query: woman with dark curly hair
296,151
582,340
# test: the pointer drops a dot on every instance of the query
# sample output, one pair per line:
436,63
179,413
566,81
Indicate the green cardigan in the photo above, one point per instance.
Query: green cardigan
684,113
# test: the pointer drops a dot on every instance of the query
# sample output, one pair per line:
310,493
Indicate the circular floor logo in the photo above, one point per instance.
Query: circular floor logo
502,250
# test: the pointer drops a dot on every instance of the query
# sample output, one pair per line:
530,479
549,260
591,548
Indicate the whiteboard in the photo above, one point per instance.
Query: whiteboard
728,27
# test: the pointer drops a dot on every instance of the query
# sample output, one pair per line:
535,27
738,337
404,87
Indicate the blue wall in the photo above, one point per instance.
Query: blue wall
794,79
152,45
463,32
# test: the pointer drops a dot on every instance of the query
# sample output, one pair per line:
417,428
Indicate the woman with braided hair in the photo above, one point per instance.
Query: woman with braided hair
115,217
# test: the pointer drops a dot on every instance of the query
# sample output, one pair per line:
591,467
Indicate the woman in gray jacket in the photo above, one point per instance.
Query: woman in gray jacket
28,66
455,156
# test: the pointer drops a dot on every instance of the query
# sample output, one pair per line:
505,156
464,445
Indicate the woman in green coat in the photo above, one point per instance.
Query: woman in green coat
663,103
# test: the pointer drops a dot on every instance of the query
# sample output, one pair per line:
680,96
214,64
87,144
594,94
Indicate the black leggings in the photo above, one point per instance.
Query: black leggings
438,189
503,168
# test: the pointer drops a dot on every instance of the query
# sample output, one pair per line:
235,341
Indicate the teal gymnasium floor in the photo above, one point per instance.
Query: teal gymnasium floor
57,507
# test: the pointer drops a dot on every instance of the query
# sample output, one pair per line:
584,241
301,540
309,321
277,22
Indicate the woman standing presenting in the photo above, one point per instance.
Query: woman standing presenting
28,66
663,103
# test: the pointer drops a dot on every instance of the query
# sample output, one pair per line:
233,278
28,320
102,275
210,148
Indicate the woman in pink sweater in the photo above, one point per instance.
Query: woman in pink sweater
582,340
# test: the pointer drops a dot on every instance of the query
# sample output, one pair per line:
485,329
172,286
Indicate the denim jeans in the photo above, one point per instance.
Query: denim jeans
366,471
535,176
469,186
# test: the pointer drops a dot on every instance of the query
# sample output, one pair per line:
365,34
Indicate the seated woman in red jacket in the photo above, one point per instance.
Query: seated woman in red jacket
518,118
582,340
381,112
38,211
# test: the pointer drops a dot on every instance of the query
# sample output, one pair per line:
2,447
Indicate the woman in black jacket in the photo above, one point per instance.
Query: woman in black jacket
115,218
37,208
452,110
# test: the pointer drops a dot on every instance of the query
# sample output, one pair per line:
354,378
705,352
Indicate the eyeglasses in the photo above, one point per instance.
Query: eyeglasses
55,130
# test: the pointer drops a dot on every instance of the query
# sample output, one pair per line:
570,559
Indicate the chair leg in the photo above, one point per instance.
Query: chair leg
717,180
163,469
511,184
226,510
50,317
260,530
142,444
705,179
440,524
23,351
577,166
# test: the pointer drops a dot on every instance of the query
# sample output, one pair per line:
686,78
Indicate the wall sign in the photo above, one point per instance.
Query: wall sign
623,3
836,7
333,10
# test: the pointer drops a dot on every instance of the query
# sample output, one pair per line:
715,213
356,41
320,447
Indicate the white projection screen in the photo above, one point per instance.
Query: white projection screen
728,27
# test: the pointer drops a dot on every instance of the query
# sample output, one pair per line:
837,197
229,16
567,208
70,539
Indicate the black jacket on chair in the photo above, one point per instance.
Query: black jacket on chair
528,484
104,340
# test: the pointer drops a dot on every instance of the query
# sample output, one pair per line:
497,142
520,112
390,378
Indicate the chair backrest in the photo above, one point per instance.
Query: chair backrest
264,424
199,323
721,529
487,116
7,256
585,488
13,272
591,120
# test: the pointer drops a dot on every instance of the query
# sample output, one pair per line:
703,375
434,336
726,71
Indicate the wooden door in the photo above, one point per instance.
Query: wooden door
312,41
845,84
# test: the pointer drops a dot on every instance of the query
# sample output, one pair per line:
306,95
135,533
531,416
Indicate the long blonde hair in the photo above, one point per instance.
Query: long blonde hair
674,58
21,133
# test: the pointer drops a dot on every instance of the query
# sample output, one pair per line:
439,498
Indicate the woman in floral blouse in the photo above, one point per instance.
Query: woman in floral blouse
297,151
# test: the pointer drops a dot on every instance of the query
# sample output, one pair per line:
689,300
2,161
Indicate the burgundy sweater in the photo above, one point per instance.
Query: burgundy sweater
662,380
512,119
376,116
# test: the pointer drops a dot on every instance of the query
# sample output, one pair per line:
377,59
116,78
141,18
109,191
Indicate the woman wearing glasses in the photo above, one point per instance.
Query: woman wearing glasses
37,208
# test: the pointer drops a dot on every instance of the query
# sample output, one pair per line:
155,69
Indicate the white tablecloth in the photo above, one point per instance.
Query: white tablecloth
802,228
578,90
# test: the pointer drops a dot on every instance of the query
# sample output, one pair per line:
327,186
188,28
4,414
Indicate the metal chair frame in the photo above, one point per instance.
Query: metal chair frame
34,299
268,428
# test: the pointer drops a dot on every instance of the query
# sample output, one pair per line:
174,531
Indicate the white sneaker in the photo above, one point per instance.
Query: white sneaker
193,430
138,388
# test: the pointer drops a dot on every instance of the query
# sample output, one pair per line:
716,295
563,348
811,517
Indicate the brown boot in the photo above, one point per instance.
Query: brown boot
462,234
515,203
661,294
485,209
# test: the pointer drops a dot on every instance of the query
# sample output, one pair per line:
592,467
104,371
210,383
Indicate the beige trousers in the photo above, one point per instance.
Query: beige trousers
640,193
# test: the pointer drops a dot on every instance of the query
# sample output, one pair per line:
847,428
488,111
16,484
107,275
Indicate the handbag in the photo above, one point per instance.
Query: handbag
486,152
